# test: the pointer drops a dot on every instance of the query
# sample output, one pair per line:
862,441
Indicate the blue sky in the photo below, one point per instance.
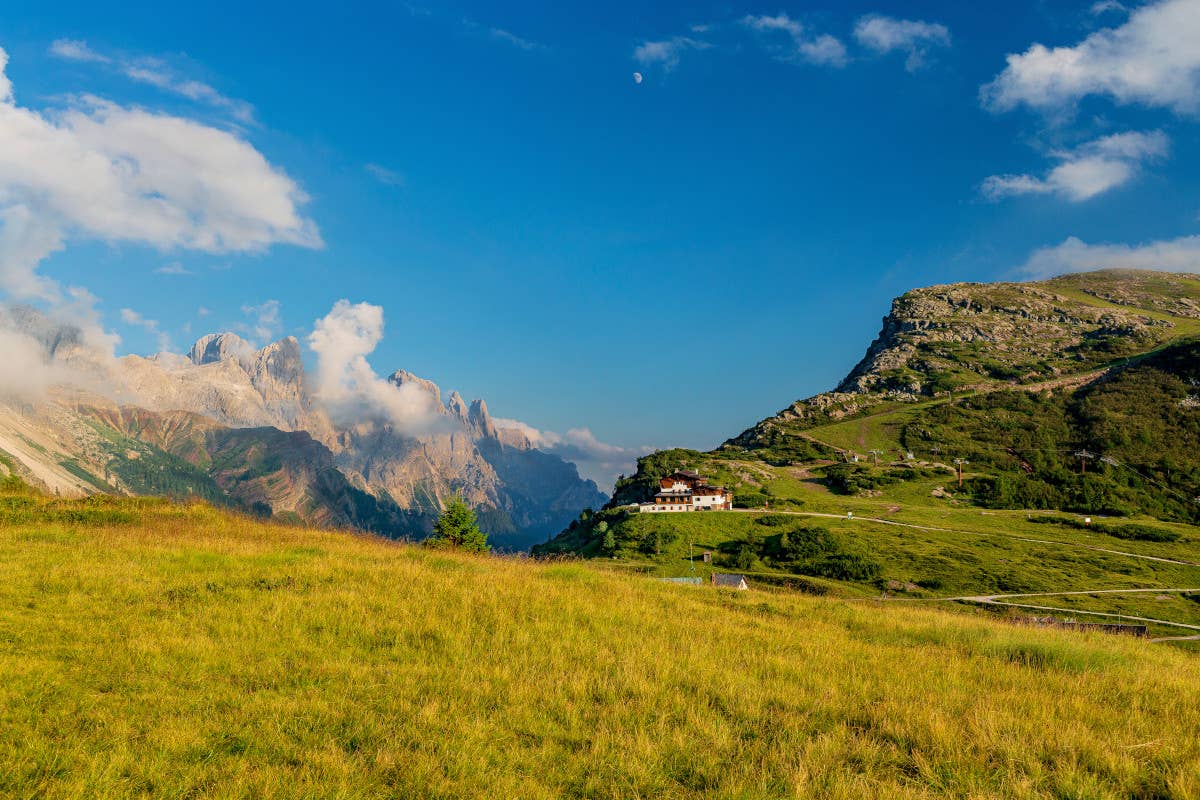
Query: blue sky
662,262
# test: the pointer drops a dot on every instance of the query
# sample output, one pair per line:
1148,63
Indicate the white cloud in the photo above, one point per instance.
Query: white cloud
26,370
77,50
387,177
174,268
1075,255
349,388
823,49
1152,59
914,37
151,326
101,171
155,72
501,35
667,51
1106,6
265,324
595,459
1086,171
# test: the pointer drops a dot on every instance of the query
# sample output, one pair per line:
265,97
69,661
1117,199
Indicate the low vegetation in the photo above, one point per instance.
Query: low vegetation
182,651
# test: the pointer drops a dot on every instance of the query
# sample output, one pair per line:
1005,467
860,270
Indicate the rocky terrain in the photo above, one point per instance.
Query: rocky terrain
969,337
242,426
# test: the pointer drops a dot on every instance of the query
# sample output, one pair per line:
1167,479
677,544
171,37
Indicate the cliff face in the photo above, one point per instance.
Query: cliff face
244,426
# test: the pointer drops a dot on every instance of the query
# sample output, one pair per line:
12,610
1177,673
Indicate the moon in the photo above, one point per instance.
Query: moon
637,77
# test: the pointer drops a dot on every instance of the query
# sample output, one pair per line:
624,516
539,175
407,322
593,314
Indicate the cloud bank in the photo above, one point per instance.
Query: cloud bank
1075,255
595,459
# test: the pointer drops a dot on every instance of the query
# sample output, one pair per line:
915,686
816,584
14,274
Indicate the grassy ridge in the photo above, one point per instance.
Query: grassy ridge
174,651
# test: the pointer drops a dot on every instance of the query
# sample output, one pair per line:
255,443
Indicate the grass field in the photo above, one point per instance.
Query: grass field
154,650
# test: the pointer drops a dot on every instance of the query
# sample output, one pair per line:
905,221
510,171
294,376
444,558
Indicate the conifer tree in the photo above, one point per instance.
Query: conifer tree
458,529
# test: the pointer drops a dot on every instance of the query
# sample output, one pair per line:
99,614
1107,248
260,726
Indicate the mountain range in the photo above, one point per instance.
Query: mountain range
244,427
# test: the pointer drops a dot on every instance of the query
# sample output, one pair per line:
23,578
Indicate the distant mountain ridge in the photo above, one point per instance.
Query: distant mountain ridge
241,426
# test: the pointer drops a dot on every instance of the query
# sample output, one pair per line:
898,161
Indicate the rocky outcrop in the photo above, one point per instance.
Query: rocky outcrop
976,337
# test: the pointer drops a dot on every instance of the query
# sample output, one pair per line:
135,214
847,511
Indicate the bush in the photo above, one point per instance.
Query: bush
750,499
843,566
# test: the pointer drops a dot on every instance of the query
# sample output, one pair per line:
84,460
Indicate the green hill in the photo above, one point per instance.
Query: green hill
1066,399
155,650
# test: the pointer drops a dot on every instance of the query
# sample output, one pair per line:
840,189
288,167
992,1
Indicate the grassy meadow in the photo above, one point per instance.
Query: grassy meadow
153,650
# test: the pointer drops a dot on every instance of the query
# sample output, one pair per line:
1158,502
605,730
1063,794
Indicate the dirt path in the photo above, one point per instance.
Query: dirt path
1003,600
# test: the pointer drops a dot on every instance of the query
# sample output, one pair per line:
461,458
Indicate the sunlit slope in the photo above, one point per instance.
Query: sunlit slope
150,650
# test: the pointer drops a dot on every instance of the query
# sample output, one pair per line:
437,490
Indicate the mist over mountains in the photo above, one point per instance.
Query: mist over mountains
252,428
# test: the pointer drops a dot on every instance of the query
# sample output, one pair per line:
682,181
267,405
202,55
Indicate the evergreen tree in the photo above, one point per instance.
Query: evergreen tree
610,542
458,529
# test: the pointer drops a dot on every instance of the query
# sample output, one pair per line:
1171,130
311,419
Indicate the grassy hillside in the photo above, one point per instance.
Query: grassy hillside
159,650
1073,395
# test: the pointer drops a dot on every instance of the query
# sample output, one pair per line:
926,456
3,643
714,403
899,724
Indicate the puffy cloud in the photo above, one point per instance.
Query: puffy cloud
667,51
1152,59
1086,171
914,37
1075,255
98,170
823,49
595,459
349,388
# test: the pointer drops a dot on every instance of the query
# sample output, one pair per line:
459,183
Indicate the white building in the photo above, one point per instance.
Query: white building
688,491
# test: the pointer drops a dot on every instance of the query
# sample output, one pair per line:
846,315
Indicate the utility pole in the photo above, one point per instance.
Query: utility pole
960,463
1084,456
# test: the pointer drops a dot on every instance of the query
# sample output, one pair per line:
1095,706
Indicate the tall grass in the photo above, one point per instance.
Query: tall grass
192,653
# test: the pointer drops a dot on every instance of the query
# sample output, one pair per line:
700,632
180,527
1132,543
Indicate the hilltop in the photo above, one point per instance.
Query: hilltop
156,649
1060,400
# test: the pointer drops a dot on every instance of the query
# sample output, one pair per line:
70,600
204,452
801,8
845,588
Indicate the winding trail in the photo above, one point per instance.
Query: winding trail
1002,600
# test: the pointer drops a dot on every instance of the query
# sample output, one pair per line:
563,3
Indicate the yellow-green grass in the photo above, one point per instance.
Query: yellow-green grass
955,562
1172,606
185,652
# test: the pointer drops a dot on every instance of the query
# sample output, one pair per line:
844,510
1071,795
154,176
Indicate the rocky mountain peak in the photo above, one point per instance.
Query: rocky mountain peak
214,347
480,421
458,408
281,360
403,378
